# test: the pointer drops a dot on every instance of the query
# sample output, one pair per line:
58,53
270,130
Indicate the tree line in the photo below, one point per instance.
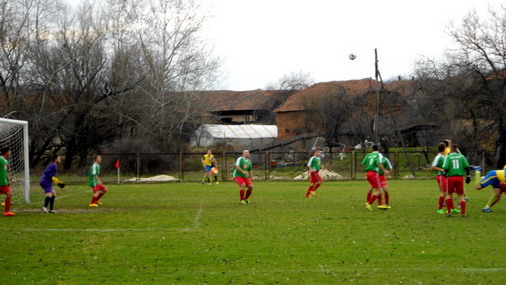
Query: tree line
88,76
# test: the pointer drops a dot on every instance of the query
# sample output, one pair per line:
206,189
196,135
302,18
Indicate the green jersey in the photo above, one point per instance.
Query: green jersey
455,164
4,163
372,160
244,164
314,163
386,163
94,170
438,161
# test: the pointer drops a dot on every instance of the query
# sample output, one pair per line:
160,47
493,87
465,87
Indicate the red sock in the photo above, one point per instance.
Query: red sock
380,199
7,205
248,193
440,205
387,198
463,207
93,200
449,204
241,193
309,190
100,196
316,187
373,197
368,196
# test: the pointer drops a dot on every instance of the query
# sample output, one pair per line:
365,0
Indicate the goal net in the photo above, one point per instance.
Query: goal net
14,134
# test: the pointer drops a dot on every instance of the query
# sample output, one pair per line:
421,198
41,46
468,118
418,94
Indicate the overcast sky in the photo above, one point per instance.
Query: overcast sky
261,40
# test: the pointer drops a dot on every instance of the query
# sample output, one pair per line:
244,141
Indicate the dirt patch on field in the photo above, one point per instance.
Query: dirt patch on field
324,173
157,178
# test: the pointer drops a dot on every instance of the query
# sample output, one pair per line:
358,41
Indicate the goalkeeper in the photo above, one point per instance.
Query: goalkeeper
46,182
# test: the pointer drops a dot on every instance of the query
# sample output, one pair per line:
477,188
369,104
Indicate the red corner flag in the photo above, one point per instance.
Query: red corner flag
117,164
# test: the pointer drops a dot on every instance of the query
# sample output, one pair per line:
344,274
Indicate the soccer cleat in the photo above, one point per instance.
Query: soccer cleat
486,210
99,203
308,196
3,204
52,211
388,206
449,215
464,215
368,206
210,184
246,200
441,211
455,211
217,183
243,202
313,193
9,214
45,210
382,207
93,205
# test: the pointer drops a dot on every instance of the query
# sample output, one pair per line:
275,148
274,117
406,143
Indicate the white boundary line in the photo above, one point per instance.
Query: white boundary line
196,224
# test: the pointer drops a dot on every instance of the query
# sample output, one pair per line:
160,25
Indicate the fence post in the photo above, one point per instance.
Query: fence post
483,161
352,161
138,176
223,166
266,164
226,166
396,164
181,167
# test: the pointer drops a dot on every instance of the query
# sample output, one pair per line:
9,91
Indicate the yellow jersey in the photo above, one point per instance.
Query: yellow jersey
208,159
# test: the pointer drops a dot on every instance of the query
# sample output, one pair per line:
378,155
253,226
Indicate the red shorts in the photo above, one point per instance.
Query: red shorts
456,185
5,189
242,180
503,188
374,180
383,181
314,177
97,188
442,182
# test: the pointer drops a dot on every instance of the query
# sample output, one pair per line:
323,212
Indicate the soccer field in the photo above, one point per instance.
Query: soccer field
190,233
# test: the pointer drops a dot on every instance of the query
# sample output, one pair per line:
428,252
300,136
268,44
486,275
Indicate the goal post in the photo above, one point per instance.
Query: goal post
14,134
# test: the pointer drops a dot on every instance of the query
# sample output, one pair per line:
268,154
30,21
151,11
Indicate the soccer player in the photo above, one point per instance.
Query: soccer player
95,182
46,182
314,173
496,179
242,175
383,182
5,180
207,162
442,182
455,165
214,171
373,162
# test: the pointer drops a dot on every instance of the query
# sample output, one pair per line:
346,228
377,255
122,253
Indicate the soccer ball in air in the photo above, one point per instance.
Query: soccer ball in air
352,56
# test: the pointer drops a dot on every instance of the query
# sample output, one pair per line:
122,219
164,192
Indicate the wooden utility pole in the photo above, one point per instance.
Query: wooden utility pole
376,115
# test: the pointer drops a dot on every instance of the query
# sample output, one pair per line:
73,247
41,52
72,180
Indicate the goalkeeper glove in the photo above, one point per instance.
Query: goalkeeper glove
56,180
61,185
468,179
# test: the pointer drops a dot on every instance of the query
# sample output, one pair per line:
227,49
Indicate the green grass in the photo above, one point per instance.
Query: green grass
193,234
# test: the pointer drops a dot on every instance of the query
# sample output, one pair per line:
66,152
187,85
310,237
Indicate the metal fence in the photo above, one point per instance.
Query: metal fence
267,165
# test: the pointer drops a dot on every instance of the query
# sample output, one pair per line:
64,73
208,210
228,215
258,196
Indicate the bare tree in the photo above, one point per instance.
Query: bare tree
472,81
179,64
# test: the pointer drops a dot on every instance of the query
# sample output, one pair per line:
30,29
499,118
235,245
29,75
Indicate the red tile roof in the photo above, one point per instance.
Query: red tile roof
297,101
216,101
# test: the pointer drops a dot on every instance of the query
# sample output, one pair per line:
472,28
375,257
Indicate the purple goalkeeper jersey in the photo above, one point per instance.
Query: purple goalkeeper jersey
49,172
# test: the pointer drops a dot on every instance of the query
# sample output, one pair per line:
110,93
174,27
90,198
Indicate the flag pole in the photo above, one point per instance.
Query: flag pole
118,166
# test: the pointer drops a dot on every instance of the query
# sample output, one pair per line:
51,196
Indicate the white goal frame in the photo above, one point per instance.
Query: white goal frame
26,159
